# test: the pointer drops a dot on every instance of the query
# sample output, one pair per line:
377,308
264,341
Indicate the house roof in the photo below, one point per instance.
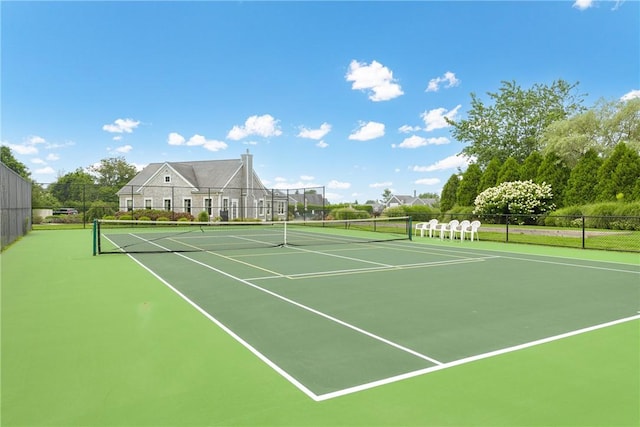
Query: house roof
199,174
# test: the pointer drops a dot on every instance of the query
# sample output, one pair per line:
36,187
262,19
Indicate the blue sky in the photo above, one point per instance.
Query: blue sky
346,95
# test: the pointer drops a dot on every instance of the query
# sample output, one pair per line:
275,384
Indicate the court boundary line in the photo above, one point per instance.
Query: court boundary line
463,361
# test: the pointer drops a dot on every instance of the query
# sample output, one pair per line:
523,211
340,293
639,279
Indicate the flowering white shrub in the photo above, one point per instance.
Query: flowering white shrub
516,197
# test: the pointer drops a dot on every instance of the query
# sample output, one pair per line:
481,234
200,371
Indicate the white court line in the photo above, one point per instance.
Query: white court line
465,360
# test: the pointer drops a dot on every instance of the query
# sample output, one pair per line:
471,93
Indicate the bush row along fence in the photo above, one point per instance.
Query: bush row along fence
15,206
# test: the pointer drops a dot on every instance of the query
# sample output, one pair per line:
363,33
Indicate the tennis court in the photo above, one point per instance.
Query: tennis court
335,318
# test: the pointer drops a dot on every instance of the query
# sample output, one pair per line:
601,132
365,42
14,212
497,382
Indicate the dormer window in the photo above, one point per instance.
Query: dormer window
167,179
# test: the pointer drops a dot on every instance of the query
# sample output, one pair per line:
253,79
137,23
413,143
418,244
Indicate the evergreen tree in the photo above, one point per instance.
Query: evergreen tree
448,197
489,175
509,172
618,175
582,181
468,187
530,166
554,172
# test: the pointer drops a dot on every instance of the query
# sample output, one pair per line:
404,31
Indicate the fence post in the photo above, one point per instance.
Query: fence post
507,228
584,234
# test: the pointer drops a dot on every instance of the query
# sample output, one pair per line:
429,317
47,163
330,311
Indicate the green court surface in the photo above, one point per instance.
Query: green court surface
422,332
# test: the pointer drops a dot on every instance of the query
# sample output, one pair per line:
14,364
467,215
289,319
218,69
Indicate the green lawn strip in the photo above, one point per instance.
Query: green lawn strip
99,341
502,247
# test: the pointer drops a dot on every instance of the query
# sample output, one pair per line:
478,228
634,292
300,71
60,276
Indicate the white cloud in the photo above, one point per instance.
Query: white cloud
435,119
583,4
45,171
265,126
175,139
121,126
23,149
196,141
367,131
415,141
338,185
630,95
52,157
376,78
322,144
33,140
381,184
316,134
408,129
124,149
307,178
449,77
427,181
451,162
38,161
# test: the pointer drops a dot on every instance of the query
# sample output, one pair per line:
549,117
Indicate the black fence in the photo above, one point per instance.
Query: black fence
15,206
616,233
175,202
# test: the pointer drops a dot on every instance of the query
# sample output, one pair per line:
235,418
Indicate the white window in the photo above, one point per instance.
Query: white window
148,203
167,204
260,207
234,209
208,205
186,204
129,204
167,179
280,208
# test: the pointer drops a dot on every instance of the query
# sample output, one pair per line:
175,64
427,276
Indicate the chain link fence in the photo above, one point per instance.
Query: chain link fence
617,233
15,206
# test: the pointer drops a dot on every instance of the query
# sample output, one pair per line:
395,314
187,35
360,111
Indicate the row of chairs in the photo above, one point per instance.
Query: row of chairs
453,229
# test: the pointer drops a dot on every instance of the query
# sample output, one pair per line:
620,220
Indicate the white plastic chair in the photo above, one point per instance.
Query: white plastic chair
420,228
475,225
448,228
433,226
464,227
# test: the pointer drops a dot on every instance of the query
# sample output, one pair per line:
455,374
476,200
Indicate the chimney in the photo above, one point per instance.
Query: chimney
414,193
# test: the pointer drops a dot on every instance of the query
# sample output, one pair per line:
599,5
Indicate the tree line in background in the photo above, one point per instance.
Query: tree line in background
542,134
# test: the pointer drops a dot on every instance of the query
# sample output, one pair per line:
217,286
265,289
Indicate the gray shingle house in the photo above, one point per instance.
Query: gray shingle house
228,189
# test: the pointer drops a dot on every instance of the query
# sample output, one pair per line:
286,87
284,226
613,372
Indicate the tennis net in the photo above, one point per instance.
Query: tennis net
131,236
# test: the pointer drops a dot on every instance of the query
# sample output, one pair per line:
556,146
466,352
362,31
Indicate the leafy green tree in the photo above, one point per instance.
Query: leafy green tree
530,166
72,187
619,175
6,157
582,180
554,171
601,128
468,187
429,196
114,172
448,197
41,198
490,175
510,171
386,195
111,175
513,124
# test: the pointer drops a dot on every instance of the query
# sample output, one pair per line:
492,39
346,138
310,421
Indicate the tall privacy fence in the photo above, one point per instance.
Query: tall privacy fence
15,206
618,233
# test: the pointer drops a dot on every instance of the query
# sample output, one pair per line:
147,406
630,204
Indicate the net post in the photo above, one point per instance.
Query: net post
410,228
95,239
284,243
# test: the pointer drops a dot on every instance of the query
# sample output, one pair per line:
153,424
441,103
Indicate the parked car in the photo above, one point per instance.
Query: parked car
65,211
